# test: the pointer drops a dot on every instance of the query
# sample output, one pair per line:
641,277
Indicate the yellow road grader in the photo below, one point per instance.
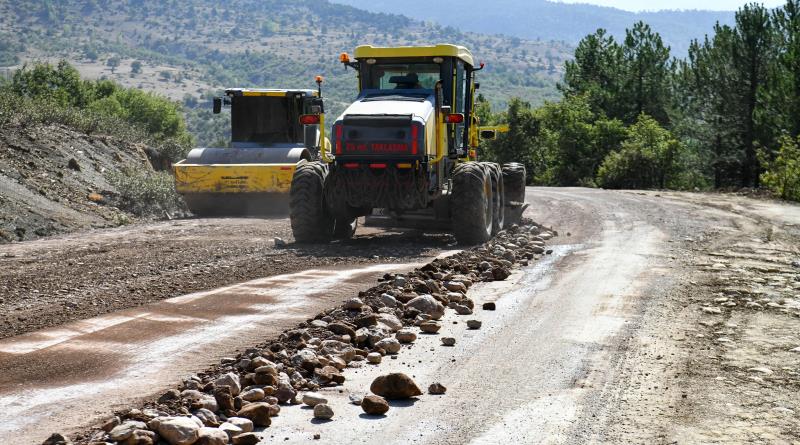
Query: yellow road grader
404,154
252,176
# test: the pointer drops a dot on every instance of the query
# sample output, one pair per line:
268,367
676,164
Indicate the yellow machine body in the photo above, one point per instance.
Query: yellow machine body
254,175
233,178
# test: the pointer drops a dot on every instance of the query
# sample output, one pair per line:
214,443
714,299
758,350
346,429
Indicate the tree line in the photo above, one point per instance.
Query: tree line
727,115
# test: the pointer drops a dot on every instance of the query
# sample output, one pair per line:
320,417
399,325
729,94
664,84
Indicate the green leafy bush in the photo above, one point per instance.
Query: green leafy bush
56,94
647,159
782,175
147,193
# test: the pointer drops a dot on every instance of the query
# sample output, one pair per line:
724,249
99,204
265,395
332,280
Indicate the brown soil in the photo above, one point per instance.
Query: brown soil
52,281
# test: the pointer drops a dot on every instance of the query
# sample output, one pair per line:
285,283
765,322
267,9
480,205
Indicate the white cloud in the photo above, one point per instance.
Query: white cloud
654,5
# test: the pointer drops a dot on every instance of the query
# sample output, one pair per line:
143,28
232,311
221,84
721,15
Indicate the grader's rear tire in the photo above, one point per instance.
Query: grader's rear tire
514,191
311,221
498,196
471,203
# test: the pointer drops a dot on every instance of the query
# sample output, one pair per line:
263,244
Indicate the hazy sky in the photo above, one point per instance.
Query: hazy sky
652,5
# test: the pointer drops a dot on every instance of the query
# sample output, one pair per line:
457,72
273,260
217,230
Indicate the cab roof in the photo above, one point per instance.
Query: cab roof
442,50
272,92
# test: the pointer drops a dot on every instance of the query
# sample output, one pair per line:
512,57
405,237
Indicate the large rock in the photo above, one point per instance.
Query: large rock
244,424
313,399
339,328
387,300
436,389
177,430
57,439
395,386
222,395
211,436
390,345
323,412
143,437
207,417
405,336
430,327
374,405
230,380
328,374
427,305
353,304
232,430
391,322
336,348
257,412
125,429
253,395
246,439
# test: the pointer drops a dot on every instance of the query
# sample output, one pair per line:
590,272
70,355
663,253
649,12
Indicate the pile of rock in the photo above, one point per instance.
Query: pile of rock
225,404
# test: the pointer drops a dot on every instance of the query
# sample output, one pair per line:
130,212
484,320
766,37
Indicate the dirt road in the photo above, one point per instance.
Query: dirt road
659,318
52,281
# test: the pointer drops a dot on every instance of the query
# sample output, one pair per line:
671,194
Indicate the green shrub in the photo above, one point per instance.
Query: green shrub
782,175
147,193
647,159
62,87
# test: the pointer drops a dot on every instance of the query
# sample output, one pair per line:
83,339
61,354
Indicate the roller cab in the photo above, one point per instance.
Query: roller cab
253,176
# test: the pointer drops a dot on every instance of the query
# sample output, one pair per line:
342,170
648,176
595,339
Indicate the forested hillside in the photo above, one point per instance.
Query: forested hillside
726,115
548,20
187,49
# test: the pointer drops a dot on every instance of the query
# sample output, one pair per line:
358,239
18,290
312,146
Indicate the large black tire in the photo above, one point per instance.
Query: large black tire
311,221
514,191
498,197
471,203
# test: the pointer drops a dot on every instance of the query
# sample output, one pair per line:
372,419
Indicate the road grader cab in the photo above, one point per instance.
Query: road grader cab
404,153
252,176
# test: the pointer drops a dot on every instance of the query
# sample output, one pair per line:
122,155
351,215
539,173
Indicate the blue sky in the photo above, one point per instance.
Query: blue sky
654,5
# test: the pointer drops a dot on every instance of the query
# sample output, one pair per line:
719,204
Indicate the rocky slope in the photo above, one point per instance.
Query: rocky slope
55,180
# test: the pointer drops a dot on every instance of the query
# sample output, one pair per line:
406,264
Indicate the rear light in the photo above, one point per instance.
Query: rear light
377,165
338,138
351,165
309,119
414,139
455,118
404,165
287,167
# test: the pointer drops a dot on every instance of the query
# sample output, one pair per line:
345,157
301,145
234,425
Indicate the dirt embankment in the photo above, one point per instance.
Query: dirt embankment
55,180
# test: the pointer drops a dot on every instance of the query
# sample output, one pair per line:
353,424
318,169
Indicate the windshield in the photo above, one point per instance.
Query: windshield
266,120
404,76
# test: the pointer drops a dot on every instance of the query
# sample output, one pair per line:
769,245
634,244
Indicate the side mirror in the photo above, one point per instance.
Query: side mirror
477,85
217,105
488,135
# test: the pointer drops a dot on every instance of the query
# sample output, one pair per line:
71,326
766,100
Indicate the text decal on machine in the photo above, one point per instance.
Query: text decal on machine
376,148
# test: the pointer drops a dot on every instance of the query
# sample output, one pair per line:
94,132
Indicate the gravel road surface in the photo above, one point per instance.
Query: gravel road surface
658,318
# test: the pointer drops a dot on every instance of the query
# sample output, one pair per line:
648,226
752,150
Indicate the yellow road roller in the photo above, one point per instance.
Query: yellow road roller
253,176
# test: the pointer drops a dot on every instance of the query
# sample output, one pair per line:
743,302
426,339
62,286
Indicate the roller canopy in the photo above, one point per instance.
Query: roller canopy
276,154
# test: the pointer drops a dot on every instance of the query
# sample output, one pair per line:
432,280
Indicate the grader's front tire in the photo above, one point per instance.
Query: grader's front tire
310,219
472,204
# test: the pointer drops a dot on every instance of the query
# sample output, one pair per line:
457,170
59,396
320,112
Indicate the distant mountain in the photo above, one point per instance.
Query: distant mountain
192,48
547,20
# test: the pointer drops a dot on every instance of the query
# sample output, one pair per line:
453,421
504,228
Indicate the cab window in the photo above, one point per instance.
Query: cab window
403,76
